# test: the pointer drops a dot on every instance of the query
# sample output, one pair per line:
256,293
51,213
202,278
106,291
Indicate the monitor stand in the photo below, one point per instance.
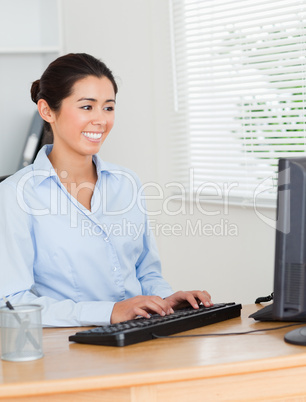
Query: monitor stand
297,336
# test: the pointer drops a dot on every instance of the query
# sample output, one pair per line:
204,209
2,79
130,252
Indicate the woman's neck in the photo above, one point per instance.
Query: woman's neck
77,173
73,168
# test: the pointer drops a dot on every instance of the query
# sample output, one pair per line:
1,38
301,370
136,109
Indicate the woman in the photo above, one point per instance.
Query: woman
73,232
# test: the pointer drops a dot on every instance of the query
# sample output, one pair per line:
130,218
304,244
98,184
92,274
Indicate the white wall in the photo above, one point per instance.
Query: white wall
118,33
132,37
26,30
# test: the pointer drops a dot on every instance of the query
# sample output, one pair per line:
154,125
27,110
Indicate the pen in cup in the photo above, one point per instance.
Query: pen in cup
20,321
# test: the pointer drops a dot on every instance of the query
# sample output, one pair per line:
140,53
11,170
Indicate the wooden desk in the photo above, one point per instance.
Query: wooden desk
252,367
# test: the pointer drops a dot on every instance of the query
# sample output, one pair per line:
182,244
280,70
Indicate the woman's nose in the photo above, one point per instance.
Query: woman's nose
99,122
99,118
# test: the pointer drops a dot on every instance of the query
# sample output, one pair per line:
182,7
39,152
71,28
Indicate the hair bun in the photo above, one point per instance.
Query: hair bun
35,89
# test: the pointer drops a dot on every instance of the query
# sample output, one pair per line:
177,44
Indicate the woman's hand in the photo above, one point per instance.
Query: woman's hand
140,306
182,299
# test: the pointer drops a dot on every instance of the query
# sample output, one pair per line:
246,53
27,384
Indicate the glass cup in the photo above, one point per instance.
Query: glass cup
21,332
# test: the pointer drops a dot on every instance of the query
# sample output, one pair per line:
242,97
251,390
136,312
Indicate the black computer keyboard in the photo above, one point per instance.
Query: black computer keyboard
143,329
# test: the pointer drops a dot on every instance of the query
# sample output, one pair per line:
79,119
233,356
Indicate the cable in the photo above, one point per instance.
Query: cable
229,333
265,299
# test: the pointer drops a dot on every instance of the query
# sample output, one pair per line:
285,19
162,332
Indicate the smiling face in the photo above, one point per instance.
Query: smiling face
85,117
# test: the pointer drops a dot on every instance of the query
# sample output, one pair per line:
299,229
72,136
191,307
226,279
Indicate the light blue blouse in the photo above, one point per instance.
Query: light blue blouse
76,263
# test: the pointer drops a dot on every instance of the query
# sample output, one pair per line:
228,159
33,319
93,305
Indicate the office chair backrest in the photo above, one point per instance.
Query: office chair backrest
33,140
36,138
3,178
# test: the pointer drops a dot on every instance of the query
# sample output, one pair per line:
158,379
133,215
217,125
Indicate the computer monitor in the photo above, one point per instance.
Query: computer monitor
290,242
290,246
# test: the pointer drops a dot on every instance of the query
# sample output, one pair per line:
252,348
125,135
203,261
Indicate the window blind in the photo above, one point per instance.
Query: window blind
239,89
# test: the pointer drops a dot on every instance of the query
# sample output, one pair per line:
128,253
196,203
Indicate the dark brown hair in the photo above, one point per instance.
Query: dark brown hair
57,81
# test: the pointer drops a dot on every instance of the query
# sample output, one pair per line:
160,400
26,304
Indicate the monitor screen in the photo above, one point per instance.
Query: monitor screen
290,246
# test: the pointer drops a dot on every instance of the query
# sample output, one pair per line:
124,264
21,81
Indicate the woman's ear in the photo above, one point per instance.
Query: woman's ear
45,112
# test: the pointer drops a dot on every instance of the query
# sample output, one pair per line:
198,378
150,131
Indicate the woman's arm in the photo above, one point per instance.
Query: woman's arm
17,254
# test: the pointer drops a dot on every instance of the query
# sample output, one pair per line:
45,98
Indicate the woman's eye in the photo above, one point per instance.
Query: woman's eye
109,108
87,107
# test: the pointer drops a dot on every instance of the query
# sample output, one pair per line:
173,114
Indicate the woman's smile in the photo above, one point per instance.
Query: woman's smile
93,135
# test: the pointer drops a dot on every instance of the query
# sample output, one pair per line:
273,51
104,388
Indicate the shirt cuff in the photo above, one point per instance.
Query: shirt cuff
95,312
